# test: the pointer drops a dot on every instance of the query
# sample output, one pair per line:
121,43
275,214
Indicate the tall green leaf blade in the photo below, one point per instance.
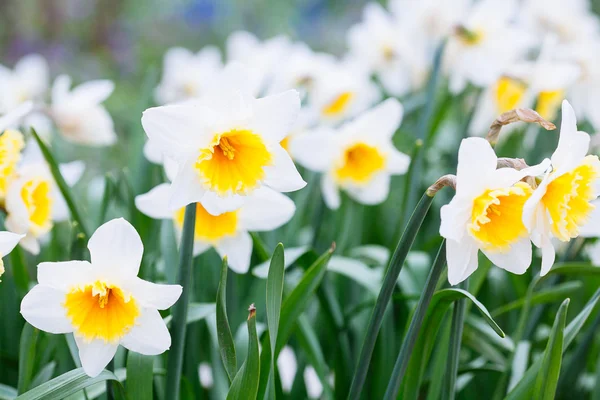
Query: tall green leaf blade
274,298
7,392
226,343
139,376
27,355
245,384
65,385
547,379
44,374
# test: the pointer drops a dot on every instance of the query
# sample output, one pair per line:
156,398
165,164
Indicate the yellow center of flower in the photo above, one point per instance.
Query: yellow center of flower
568,197
359,163
549,102
11,144
36,195
496,219
388,53
285,143
338,105
234,162
469,37
101,311
210,228
508,94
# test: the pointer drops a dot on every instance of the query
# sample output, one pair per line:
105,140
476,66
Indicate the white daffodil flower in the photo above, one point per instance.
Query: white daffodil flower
561,204
14,117
226,144
227,233
262,58
11,146
287,366
342,91
28,81
102,302
359,158
33,201
485,44
79,114
186,74
486,213
387,50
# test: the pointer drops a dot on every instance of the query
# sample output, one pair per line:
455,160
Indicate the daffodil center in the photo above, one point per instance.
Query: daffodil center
469,37
496,217
508,94
37,197
549,102
234,163
101,311
338,105
359,163
11,144
568,197
210,228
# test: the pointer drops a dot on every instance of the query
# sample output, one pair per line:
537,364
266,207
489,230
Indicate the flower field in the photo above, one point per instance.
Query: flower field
299,200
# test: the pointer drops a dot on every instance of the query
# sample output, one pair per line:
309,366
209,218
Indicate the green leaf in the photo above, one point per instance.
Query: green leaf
226,343
196,312
274,296
456,334
524,388
180,309
44,375
554,293
27,356
65,190
65,385
296,302
7,392
385,294
547,378
307,338
245,384
139,376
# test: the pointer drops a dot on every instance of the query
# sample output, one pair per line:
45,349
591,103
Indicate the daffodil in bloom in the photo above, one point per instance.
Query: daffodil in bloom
227,233
359,157
11,145
8,241
28,81
102,302
226,144
561,204
486,213
185,74
79,113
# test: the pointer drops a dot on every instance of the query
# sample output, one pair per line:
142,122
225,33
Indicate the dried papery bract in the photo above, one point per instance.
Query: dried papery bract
516,115
446,180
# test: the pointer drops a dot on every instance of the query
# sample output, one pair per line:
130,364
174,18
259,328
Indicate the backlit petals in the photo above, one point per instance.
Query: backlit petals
95,355
516,260
462,259
64,275
153,295
42,308
266,210
149,336
238,250
8,241
155,203
276,114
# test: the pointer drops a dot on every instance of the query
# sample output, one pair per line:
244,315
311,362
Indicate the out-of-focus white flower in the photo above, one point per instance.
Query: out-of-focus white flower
264,210
226,144
28,81
11,145
314,387
206,376
287,366
79,114
485,44
359,158
388,50
13,118
185,74
103,303
486,213
262,58
561,204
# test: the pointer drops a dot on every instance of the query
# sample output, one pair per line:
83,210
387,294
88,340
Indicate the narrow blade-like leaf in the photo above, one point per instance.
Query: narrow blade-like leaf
226,344
139,376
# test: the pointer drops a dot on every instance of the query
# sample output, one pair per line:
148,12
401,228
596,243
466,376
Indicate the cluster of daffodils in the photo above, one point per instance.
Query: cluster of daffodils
502,210
77,113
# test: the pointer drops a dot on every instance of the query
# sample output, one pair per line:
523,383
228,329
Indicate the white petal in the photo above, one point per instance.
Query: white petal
64,275
153,295
515,260
155,203
592,227
72,171
397,162
375,192
476,160
274,116
283,175
186,187
13,117
200,247
149,336
548,255
8,241
42,308
533,205
573,145
217,205
34,69
330,191
92,92
31,244
462,259
95,355
116,246
60,89
153,152
315,149
60,209
266,210
381,122
454,217
238,250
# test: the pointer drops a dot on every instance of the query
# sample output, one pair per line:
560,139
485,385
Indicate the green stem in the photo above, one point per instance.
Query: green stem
415,324
458,320
109,387
387,289
180,310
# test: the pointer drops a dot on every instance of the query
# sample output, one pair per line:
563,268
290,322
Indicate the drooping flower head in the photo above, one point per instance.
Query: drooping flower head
562,203
486,213
227,144
359,157
102,302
